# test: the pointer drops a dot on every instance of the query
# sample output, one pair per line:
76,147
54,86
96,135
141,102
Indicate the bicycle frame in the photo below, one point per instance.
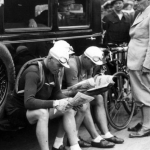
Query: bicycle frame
122,94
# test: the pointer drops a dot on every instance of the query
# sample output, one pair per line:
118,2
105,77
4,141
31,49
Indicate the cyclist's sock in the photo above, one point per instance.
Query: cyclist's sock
97,139
58,142
107,135
146,127
75,147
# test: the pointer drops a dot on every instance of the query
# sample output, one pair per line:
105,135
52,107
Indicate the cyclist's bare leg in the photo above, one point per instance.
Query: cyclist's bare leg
100,114
81,115
41,117
89,124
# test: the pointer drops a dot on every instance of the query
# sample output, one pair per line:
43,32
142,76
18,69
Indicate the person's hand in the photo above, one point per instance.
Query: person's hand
77,107
145,70
32,23
63,105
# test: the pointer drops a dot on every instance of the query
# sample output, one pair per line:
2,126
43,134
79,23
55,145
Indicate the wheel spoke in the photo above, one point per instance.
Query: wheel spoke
119,106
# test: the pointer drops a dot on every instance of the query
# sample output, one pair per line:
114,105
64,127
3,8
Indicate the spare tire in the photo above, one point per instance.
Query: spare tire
7,77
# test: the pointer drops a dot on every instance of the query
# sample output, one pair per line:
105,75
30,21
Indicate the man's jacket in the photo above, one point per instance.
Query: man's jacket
139,46
117,31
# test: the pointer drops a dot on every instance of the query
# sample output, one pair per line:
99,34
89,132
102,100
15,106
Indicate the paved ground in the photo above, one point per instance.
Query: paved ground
25,139
129,144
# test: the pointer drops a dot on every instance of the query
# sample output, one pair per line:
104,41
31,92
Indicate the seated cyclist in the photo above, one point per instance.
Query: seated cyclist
36,103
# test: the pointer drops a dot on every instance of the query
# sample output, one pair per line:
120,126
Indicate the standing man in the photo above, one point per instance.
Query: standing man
39,98
81,68
138,62
116,24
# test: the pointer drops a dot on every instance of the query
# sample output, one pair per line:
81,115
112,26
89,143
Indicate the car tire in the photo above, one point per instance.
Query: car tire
7,77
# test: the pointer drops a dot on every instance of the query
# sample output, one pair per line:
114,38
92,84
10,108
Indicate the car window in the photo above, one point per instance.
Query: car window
25,13
75,14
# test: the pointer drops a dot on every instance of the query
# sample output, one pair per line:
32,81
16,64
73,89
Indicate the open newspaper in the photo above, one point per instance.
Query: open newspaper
79,99
99,81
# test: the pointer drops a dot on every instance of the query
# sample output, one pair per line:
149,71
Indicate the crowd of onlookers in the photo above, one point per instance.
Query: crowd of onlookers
129,6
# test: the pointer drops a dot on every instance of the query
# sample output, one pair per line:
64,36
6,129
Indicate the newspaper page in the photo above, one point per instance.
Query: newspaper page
99,81
103,80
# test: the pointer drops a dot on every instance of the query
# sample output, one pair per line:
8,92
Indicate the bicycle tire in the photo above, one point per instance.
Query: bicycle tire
118,103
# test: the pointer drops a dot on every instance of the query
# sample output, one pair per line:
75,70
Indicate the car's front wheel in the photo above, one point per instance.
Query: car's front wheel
7,76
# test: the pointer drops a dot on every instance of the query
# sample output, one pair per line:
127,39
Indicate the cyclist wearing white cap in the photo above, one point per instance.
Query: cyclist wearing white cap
31,105
59,44
81,68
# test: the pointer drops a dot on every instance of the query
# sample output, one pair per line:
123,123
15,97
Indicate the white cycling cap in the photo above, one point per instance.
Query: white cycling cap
63,44
62,55
95,54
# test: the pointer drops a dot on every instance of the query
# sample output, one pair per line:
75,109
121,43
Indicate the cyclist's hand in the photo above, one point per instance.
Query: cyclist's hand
63,105
145,70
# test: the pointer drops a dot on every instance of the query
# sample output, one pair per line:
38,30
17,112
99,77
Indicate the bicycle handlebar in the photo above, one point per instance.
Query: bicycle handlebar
119,49
115,49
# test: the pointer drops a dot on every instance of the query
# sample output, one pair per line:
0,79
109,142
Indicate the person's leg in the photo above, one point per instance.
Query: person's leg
60,135
67,126
146,117
79,119
100,114
137,126
80,115
89,124
140,91
101,120
41,117
145,128
97,140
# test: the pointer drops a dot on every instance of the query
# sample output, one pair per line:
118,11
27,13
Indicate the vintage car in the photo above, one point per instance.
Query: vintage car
82,30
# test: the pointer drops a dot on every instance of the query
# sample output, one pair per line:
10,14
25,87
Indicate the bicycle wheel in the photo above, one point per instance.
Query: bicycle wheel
119,103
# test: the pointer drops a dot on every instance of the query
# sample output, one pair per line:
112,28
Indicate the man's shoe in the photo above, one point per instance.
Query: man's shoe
103,144
141,133
115,140
82,143
62,147
135,128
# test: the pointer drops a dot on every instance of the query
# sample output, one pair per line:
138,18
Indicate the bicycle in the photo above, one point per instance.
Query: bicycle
118,101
